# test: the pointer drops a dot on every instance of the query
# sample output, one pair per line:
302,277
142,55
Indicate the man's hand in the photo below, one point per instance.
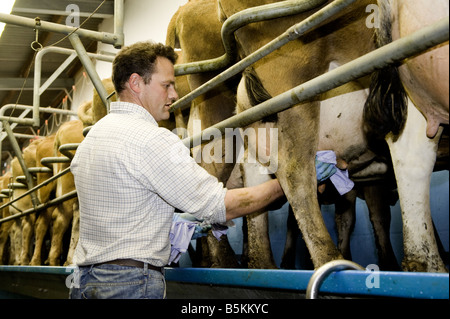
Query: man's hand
324,170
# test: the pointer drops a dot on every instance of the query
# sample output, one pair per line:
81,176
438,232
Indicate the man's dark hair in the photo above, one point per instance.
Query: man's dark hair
139,58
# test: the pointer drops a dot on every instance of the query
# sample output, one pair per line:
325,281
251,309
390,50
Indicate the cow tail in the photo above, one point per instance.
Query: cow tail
386,106
256,92
172,39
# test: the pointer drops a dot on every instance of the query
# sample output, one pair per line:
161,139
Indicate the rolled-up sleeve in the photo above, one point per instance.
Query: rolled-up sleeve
169,171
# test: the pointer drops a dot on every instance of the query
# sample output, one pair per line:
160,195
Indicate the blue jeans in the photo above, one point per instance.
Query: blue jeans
110,281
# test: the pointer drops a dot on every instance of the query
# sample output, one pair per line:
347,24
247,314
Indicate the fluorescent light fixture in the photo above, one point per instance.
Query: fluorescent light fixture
5,7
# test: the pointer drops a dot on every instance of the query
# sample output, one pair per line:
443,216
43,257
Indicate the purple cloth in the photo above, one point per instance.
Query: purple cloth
185,228
180,235
339,179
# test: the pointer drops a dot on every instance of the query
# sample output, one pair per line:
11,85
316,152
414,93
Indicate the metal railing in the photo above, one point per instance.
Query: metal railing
116,39
319,276
392,53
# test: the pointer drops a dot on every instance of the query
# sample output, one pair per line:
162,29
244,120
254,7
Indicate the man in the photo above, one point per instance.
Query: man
129,183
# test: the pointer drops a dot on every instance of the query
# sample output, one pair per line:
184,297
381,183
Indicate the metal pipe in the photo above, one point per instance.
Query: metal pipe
35,188
21,120
104,37
394,52
237,21
28,121
49,161
38,89
16,149
324,271
90,68
67,148
41,207
29,136
57,73
118,23
291,34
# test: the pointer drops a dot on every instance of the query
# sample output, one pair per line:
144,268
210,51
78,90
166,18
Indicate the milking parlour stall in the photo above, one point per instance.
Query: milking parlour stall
344,102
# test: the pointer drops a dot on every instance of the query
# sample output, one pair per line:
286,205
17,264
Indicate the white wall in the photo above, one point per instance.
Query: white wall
148,19
143,20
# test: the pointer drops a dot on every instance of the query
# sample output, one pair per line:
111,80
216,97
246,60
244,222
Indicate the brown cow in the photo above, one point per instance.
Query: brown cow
23,248
258,247
341,131
426,81
33,227
298,128
6,226
293,64
194,29
92,111
66,212
45,193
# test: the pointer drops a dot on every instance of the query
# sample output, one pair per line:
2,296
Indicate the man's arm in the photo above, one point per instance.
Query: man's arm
243,201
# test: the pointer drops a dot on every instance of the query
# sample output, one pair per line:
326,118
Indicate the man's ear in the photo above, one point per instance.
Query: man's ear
134,82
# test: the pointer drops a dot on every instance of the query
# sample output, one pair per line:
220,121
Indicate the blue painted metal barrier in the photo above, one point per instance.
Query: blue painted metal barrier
348,282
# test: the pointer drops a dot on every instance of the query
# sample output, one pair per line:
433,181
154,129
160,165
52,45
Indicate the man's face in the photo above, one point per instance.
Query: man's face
159,94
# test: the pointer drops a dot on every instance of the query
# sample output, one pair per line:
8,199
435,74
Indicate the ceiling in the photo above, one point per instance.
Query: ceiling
17,56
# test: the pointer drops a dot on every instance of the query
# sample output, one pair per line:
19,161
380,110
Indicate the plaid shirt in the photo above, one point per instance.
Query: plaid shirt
130,175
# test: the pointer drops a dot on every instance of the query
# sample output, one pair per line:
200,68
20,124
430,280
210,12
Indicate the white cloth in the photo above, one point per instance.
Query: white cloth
130,174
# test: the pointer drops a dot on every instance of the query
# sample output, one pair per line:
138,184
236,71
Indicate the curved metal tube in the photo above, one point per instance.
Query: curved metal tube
394,52
291,34
237,21
67,148
323,272
41,207
47,161
38,90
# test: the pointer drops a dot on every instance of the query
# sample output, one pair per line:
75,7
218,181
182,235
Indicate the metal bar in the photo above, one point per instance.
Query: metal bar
116,40
393,284
351,282
237,21
38,90
17,120
319,276
118,23
35,188
27,121
35,170
104,37
57,73
66,148
30,136
21,120
49,161
394,52
291,34
41,207
16,149
3,134
17,84
90,68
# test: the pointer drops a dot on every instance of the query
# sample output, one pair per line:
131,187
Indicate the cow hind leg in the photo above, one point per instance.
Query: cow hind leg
62,217
74,234
220,252
345,215
258,245
4,243
413,157
41,229
290,247
16,242
377,198
27,239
